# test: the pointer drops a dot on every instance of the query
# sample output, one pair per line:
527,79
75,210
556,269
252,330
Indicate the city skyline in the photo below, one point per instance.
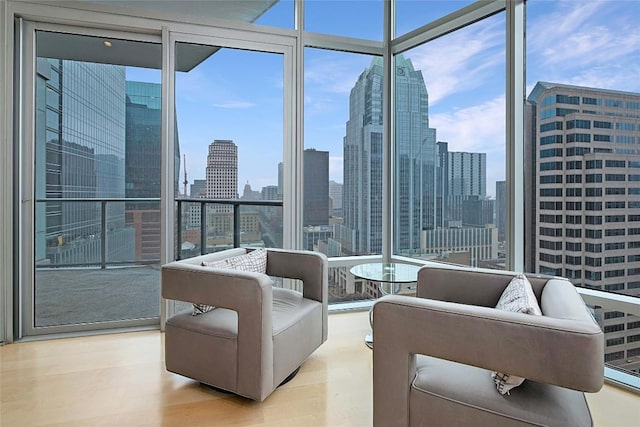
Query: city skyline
466,102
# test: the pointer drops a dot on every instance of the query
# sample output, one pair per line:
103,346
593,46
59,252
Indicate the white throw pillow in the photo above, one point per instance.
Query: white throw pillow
255,261
518,297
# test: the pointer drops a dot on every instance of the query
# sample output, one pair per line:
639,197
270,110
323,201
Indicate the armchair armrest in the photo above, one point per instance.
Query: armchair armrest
310,267
564,352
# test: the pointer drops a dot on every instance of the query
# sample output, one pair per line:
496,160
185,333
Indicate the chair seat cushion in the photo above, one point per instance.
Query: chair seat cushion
288,308
465,395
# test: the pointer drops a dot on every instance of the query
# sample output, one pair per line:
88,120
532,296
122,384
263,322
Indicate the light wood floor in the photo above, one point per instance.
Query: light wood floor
120,380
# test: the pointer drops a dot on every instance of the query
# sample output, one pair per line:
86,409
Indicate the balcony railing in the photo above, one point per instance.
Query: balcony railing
224,206
75,232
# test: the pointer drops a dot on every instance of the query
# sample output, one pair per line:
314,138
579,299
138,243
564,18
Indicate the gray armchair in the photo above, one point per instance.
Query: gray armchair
434,354
258,334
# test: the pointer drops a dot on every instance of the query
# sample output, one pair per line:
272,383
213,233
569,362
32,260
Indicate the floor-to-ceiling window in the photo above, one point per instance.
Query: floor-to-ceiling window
583,139
449,140
229,115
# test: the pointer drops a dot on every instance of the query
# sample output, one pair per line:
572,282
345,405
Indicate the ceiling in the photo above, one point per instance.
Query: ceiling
144,54
232,10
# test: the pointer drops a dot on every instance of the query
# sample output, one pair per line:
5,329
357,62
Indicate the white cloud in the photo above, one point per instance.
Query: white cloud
460,61
234,105
593,44
479,128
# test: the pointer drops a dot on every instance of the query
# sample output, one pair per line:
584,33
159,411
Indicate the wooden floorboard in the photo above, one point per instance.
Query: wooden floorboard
120,380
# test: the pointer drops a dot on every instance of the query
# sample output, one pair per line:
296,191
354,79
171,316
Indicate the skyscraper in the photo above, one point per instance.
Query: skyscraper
414,168
316,187
335,194
143,164
466,178
79,161
586,197
222,183
222,170
501,208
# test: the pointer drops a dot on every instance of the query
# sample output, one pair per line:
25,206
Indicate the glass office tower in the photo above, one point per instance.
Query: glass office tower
415,168
77,161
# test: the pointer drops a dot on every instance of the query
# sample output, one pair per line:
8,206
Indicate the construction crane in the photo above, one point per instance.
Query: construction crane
185,182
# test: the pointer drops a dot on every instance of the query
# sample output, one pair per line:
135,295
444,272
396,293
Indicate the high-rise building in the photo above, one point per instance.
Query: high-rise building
198,188
79,161
501,208
361,232
316,187
222,170
335,194
143,163
269,192
586,197
466,177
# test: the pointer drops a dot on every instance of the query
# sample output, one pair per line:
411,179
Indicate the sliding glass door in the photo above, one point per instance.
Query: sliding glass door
91,166
107,168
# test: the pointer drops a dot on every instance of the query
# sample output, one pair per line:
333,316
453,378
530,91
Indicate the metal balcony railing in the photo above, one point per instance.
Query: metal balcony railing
236,204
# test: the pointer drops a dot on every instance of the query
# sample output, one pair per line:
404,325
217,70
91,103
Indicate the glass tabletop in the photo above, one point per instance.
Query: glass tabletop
395,272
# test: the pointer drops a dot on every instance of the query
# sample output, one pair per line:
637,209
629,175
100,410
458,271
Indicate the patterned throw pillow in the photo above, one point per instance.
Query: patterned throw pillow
517,297
255,261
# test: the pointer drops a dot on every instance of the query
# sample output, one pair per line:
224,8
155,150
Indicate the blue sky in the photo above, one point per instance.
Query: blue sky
238,95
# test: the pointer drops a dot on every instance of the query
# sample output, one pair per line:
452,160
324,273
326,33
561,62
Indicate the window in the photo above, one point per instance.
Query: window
614,218
615,177
573,246
601,125
579,137
551,126
602,138
574,164
551,192
594,234
615,163
593,262
615,341
552,139
593,247
573,192
548,166
590,219
614,191
578,124
551,152
573,232
594,177
594,164
614,246
615,205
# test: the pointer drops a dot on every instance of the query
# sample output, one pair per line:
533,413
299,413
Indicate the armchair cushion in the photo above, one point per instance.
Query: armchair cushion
255,261
518,297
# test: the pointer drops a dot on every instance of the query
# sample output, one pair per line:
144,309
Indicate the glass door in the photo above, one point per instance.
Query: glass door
230,103
92,169
103,166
